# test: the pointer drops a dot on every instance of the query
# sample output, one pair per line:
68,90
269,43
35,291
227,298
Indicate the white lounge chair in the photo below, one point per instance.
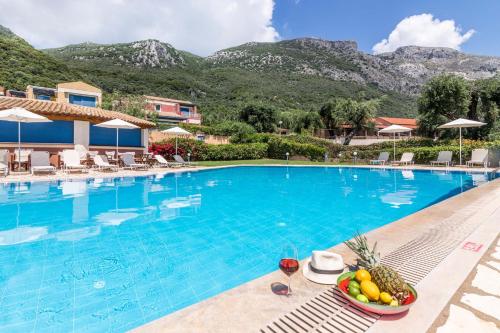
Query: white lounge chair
444,157
479,156
101,163
71,161
406,159
129,162
40,162
22,157
4,162
162,162
383,157
180,160
82,151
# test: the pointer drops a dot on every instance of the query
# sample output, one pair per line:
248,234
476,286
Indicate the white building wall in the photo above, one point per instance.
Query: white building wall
82,133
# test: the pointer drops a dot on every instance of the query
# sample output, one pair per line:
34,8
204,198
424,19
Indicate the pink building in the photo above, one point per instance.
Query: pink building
173,111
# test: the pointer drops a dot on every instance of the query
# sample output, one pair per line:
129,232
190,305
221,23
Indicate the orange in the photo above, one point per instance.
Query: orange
363,274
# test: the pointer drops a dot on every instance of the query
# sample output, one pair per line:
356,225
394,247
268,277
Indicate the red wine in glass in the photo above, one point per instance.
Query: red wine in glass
289,263
289,266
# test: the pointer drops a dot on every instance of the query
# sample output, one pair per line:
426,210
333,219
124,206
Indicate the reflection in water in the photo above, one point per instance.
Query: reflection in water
396,199
115,218
408,174
22,235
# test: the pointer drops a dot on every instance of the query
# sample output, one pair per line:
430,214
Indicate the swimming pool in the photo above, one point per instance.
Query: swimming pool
104,255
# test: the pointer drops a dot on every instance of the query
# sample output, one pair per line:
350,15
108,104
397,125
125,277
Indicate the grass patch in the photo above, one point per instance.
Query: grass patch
263,161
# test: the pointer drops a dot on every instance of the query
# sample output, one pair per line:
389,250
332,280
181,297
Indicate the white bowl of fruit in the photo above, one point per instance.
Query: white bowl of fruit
375,287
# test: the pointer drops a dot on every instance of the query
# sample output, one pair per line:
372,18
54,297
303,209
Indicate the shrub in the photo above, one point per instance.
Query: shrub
166,148
278,147
249,151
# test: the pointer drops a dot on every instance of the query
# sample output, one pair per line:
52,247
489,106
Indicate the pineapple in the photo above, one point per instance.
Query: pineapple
386,278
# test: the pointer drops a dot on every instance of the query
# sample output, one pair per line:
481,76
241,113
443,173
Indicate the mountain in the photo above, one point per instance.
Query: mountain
146,53
301,73
21,64
404,70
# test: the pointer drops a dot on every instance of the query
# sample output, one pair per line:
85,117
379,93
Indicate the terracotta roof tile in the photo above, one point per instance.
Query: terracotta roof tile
65,109
164,99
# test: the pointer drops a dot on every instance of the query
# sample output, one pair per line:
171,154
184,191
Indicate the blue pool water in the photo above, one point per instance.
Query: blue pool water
105,255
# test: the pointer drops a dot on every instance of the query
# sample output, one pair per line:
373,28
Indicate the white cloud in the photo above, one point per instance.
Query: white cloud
424,30
201,27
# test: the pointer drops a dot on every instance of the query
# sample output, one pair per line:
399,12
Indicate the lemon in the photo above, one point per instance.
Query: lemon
385,298
394,303
370,290
362,275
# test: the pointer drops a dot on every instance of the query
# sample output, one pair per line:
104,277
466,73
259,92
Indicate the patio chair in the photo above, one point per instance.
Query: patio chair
101,163
479,156
180,160
39,162
444,157
4,162
23,158
162,162
383,157
129,162
406,159
71,161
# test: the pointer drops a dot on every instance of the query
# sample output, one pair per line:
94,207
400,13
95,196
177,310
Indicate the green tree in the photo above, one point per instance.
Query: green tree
356,114
262,118
133,105
444,98
332,115
359,115
484,106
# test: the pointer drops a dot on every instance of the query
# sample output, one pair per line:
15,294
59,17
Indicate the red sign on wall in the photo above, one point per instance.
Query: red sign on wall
471,246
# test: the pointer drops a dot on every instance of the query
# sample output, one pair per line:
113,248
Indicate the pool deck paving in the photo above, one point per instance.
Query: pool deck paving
251,306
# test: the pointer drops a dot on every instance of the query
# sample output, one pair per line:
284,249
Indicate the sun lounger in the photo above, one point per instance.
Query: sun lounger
479,156
40,162
406,159
162,162
129,162
180,160
71,161
444,157
4,162
101,163
22,157
383,157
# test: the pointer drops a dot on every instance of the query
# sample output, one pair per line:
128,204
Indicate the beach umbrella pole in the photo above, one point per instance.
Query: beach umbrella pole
117,143
394,147
460,131
176,145
18,146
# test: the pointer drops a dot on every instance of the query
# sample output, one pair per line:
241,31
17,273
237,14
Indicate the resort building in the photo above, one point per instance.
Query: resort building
383,122
72,124
79,93
173,111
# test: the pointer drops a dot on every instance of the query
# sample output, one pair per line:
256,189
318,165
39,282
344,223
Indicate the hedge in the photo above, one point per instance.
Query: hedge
278,148
248,151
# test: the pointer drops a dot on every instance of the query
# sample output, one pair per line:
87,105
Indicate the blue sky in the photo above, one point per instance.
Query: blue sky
203,27
370,21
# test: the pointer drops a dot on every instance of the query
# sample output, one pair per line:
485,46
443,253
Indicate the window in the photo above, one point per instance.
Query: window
82,100
43,97
185,111
158,107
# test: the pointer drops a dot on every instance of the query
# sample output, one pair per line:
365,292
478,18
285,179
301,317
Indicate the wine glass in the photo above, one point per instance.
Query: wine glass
289,263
